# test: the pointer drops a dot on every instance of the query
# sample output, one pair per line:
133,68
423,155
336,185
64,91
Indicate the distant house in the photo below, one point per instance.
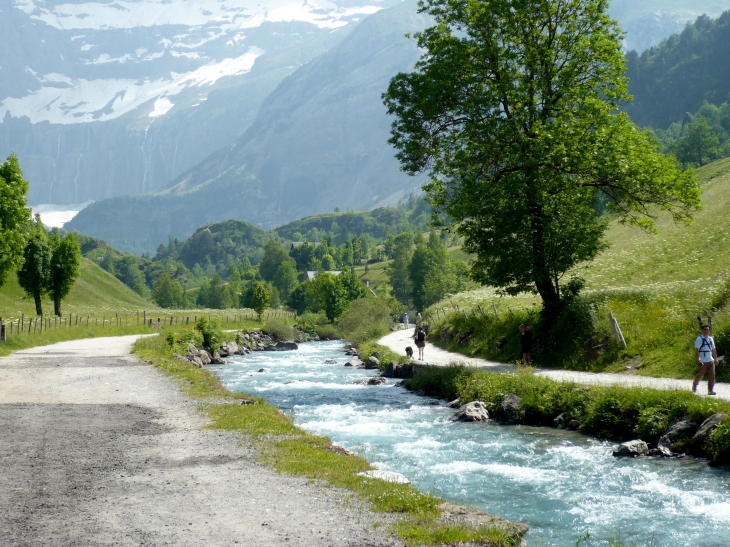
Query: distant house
296,244
312,275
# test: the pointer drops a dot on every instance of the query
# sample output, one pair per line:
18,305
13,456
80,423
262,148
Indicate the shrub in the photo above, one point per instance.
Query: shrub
366,319
328,332
210,330
309,321
179,341
718,444
279,329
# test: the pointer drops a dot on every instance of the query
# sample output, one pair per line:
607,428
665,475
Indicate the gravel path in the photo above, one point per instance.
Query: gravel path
398,340
100,449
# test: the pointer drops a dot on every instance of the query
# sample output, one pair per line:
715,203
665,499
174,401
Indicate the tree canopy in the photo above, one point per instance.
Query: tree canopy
65,268
14,214
34,275
513,112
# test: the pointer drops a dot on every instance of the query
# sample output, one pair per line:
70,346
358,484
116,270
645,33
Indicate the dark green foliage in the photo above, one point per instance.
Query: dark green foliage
212,333
168,293
223,242
34,275
433,274
513,112
274,257
215,295
285,279
64,268
13,215
279,329
679,74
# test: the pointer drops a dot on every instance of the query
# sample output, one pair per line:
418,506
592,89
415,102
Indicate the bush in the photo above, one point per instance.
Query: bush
718,444
366,319
309,322
280,329
328,332
179,341
211,332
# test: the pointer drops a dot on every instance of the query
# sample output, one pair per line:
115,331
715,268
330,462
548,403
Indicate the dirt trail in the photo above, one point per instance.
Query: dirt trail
97,448
398,340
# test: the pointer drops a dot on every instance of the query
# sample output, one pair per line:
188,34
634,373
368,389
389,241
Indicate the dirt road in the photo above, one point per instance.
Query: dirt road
97,448
398,340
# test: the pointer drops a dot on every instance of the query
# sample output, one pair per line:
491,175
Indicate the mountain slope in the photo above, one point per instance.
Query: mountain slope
318,142
681,73
105,99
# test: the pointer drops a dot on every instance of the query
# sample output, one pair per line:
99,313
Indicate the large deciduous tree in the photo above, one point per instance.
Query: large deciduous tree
14,215
34,275
513,112
65,268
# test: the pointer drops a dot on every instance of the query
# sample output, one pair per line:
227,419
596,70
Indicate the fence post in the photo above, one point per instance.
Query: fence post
494,306
2,331
616,329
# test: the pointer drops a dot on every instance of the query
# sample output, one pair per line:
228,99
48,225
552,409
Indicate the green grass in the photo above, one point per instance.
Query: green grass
289,449
376,275
96,292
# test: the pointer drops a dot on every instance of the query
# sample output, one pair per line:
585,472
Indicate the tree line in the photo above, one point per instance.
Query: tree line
46,263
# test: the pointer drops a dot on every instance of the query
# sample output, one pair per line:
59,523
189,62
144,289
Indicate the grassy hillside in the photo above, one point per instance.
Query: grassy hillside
96,293
655,284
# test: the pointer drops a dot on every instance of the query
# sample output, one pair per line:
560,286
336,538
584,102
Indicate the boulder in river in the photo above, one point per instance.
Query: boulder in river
677,431
631,449
476,411
282,346
354,363
456,403
205,357
387,476
703,432
372,363
374,381
510,410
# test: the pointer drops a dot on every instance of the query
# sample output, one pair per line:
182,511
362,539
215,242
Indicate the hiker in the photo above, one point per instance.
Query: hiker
526,344
406,323
706,354
420,338
418,318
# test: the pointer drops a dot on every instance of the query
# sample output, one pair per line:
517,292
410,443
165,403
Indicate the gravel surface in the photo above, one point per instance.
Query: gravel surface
100,449
398,340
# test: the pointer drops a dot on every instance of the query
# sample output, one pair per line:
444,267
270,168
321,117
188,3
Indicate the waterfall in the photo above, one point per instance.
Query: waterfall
144,158
76,179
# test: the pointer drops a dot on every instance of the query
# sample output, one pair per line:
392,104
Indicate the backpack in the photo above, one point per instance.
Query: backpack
706,342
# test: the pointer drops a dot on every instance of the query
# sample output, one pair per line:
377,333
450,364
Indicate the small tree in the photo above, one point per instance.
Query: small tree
167,292
260,297
698,144
34,275
13,216
65,268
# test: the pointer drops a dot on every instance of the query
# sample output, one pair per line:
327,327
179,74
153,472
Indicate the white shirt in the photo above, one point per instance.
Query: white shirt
706,348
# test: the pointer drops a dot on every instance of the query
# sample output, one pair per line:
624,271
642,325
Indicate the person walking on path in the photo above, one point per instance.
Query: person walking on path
706,354
418,318
420,338
526,344
406,321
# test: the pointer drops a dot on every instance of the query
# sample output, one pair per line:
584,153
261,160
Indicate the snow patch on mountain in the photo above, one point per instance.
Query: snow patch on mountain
146,13
64,100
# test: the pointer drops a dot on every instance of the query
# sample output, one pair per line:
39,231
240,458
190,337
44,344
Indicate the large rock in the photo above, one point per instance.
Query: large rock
707,427
205,357
192,350
217,360
372,363
387,476
456,403
677,431
403,371
230,348
476,411
510,410
288,345
374,381
459,515
631,449
354,363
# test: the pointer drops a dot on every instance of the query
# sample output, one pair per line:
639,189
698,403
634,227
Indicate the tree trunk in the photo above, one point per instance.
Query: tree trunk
540,271
57,305
38,305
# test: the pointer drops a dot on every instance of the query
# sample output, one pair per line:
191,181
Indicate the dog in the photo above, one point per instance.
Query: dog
409,352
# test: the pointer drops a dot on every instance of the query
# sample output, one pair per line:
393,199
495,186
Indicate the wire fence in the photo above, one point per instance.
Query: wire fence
29,326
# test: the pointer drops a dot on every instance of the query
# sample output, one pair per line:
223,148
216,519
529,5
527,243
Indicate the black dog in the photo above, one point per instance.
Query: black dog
409,352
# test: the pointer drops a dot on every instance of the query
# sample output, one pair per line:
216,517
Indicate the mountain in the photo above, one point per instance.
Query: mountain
681,73
116,98
318,142
648,22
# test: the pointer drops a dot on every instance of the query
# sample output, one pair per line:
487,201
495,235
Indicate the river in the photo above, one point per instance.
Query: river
562,483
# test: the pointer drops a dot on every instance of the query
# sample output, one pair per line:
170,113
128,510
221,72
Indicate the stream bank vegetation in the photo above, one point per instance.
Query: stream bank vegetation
611,412
281,445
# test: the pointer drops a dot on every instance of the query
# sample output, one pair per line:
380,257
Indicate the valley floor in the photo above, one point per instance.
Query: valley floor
99,449
398,341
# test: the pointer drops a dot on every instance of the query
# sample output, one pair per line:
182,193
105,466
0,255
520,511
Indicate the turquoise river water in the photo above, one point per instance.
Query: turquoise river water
562,483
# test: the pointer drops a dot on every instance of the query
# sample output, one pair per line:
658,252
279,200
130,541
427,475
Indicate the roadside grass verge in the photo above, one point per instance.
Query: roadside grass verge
611,412
281,445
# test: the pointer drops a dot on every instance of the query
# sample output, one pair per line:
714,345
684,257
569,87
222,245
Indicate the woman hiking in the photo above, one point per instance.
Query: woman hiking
420,338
